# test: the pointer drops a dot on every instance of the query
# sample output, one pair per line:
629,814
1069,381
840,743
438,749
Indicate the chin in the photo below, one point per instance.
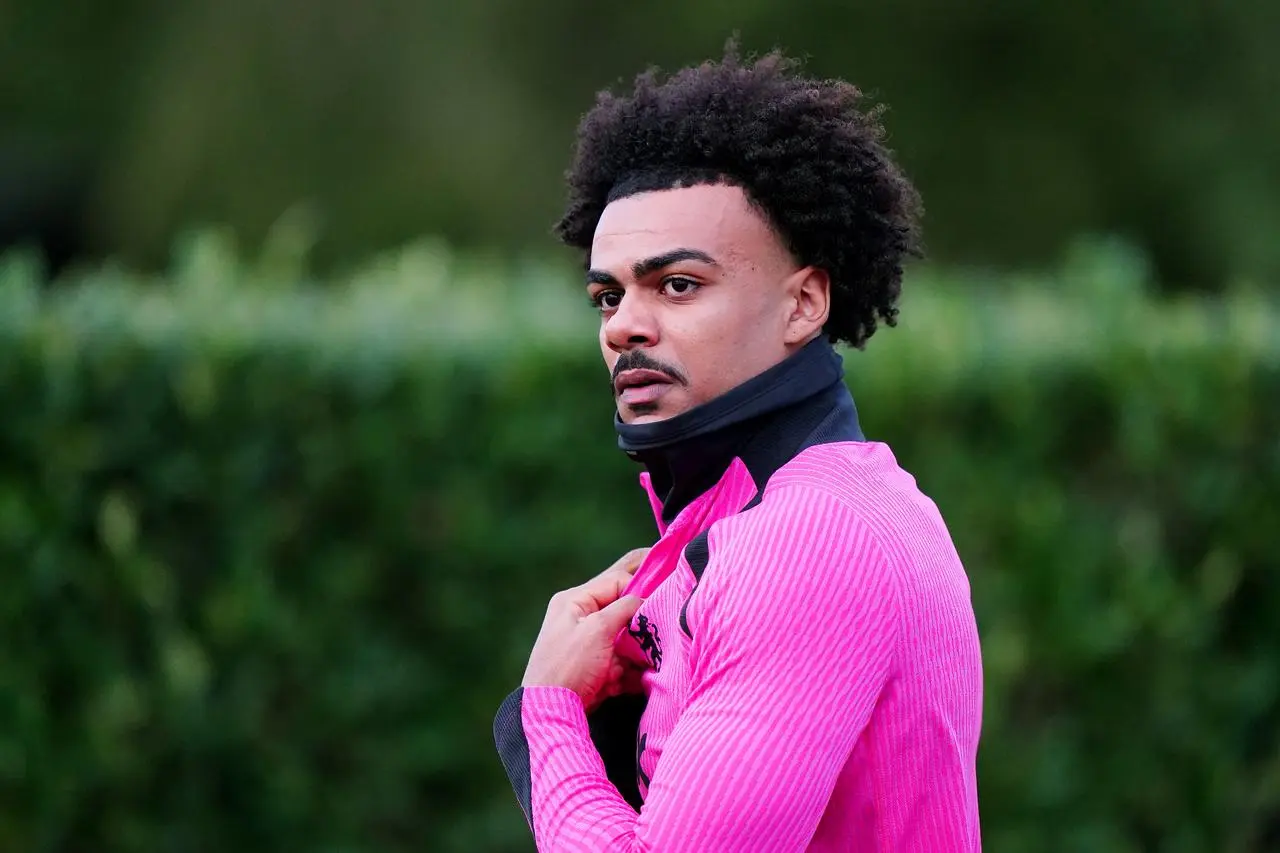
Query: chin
664,407
645,414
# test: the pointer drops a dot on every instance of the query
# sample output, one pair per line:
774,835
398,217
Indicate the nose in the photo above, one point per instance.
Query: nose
632,324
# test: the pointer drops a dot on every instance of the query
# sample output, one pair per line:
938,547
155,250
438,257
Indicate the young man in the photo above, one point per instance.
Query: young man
794,665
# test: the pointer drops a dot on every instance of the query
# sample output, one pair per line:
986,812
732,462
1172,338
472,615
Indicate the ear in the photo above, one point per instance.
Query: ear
809,292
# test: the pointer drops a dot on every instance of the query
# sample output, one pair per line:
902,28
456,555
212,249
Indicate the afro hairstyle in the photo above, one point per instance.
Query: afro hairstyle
801,149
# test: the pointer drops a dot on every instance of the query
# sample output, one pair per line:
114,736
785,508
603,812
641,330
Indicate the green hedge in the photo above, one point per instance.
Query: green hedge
272,558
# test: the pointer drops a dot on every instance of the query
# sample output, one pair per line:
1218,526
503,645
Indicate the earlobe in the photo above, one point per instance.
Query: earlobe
812,304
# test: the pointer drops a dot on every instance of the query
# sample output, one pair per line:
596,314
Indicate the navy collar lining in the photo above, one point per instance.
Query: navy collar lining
687,454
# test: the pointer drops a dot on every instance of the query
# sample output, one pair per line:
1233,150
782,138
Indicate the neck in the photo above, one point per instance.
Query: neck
763,421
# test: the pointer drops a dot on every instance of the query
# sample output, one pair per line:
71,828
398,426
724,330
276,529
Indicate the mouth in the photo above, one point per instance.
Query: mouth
638,387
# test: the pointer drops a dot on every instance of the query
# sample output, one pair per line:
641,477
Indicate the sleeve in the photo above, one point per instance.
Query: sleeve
794,634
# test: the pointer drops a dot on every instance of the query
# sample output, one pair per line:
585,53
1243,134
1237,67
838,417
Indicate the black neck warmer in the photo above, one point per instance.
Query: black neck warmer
764,421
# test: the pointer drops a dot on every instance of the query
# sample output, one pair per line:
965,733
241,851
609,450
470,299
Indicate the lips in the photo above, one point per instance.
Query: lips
636,387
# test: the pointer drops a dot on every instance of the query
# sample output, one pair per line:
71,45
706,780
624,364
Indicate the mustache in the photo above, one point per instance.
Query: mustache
639,360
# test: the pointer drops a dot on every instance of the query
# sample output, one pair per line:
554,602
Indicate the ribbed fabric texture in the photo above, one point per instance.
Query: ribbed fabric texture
829,697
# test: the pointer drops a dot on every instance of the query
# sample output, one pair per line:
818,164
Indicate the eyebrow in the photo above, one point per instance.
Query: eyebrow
648,266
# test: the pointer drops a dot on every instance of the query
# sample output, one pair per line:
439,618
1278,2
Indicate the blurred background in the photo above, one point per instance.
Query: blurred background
301,419
1024,124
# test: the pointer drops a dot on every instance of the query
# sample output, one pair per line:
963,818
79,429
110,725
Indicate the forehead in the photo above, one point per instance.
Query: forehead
716,219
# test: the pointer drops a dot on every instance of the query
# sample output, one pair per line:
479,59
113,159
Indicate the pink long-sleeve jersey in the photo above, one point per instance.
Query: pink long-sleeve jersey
812,678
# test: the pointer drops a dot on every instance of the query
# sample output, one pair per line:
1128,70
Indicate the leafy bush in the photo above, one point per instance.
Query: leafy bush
274,556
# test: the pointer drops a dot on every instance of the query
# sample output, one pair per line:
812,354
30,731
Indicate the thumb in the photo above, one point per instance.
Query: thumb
614,618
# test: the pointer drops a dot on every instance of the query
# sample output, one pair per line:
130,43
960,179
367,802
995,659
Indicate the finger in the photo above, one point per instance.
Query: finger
614,617
627,563
599,592
631,560
604,588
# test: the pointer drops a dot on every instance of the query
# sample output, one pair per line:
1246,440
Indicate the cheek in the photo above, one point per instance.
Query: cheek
606,351
742,324
714,352
729,345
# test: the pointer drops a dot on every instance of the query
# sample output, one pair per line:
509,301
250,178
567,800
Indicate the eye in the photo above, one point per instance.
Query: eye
680,286
606,300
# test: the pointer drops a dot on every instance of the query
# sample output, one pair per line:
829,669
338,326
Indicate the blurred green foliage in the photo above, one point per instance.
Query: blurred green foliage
1023,123
275,553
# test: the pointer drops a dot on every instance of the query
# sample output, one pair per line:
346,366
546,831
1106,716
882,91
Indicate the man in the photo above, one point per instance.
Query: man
794,665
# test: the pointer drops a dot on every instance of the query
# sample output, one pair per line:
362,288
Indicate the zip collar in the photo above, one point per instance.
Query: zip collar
764,421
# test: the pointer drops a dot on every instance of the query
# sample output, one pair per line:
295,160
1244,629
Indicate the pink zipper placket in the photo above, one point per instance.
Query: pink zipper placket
733,490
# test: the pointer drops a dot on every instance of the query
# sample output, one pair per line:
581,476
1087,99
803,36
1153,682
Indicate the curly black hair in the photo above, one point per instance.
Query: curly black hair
802,151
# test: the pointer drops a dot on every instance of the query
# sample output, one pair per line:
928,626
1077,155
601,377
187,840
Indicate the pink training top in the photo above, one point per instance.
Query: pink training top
822,692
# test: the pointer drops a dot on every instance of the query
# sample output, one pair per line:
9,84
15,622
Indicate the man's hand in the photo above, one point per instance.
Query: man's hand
575,646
